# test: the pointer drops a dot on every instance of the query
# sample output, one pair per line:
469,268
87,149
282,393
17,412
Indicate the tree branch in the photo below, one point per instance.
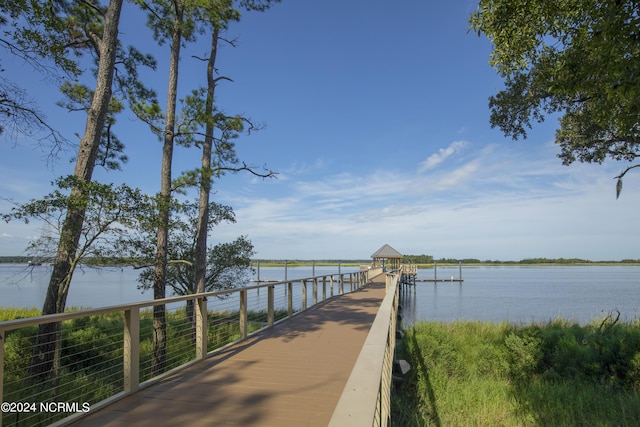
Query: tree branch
217,79
619,177
627,170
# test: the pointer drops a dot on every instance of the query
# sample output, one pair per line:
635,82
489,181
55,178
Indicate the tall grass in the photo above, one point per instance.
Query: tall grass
12,313
488,374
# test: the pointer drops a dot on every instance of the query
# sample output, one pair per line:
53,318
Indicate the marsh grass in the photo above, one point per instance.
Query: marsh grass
12,313
499,374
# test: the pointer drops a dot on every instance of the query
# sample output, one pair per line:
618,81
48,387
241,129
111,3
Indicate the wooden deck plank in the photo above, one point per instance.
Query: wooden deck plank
290,375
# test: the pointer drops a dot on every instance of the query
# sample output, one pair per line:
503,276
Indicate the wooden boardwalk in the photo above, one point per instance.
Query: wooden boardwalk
290,375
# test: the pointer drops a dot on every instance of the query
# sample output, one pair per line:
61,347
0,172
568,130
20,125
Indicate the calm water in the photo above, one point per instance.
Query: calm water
526,294
514,293
23,286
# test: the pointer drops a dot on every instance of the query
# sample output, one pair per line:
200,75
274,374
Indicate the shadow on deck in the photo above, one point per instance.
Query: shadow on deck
290,375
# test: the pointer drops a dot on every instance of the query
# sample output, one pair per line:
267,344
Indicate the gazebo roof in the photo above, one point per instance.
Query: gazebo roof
386,251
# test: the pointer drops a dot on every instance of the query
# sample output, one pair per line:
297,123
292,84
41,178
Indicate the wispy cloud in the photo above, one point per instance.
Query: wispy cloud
457,176
496,203
442,154
490,202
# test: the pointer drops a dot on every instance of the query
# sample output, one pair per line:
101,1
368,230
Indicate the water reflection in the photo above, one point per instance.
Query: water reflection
23,286
526,294
516,294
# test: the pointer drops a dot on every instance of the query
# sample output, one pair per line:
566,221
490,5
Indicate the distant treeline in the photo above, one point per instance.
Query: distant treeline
428,259
87,261
527,261
406,259
294,262
417,259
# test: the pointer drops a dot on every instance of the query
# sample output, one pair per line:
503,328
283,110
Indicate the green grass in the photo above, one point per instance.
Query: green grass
487,374
12,313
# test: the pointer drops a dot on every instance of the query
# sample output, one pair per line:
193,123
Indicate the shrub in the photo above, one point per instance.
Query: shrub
524,354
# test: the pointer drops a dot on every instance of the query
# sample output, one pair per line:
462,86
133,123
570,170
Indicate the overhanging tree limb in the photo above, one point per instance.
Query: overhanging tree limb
575,58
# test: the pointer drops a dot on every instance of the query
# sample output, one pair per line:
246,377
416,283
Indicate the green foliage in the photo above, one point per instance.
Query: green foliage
428,259
228,264
602,353
561,261
417,259
108,210
111,150
11,313
560,373
575,58
17,351
39,30
62,33
524,354
93,344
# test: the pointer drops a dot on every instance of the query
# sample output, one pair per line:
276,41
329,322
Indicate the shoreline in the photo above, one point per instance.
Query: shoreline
356,263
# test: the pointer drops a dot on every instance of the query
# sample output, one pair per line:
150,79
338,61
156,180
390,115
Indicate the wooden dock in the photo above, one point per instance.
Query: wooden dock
410,277
290,375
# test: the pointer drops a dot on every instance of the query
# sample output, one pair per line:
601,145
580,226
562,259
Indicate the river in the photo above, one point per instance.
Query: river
24,286
519,294
523,294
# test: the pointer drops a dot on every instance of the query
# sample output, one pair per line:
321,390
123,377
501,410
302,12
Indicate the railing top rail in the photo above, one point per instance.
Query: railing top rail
8,325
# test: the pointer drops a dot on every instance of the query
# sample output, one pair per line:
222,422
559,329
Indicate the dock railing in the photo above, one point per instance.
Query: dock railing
409,269
106,353
366,399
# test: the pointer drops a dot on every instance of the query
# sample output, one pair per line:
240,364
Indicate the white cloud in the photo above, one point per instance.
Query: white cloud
497,202
457,176
508,202
442,154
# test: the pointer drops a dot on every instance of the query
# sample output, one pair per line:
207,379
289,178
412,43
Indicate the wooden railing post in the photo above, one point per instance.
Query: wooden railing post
304,295
331,282
201,328
388,281
131,351
243,313
270,305
315,290
290,298
324,288
341,284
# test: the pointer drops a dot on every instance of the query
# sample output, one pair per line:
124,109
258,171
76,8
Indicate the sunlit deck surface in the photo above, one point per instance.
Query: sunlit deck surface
290,375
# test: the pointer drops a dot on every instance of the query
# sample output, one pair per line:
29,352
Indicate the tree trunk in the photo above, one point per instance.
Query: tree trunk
200,262
42,359
205,176
159,279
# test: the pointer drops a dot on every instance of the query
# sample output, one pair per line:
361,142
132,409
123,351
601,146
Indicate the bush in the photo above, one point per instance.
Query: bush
602,353
524,354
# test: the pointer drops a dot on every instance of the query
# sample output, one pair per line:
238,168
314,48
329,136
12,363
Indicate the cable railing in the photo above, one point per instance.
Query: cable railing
101,355
366,399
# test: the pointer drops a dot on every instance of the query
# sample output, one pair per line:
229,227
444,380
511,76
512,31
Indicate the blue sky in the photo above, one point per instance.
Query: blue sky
376,119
